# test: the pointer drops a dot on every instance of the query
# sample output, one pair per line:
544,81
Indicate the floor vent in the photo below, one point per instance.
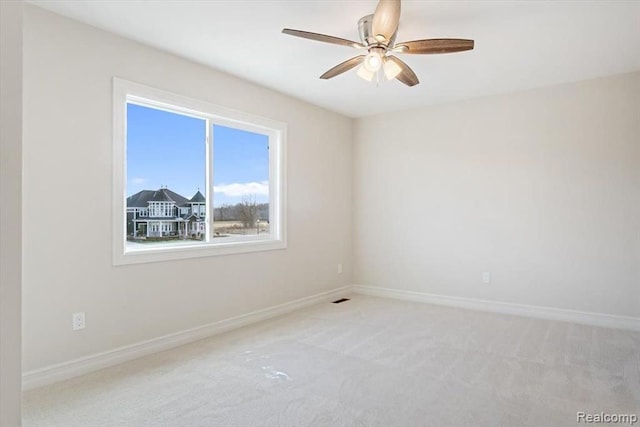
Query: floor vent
338,301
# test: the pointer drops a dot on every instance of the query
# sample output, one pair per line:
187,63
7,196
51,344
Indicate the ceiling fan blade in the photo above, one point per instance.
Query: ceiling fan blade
429,46
344,66
406,76
322,38
386,19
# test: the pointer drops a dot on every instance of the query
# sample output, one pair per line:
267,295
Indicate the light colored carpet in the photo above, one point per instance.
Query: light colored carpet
365,362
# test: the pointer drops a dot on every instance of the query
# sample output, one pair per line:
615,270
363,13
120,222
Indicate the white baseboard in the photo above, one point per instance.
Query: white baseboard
550,313
84,365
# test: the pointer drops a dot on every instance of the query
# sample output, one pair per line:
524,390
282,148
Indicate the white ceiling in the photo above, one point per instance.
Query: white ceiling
519,44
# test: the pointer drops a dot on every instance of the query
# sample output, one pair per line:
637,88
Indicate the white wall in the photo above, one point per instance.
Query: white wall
68,69
10,210
541,188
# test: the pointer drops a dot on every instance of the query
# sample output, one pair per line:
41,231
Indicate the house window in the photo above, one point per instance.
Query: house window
217,175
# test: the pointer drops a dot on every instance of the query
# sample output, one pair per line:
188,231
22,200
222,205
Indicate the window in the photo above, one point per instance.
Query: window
241,182
193,179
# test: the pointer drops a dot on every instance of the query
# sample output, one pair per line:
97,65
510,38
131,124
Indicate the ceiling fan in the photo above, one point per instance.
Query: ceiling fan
377,36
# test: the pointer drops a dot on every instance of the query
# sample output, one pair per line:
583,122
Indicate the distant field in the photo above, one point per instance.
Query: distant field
235,227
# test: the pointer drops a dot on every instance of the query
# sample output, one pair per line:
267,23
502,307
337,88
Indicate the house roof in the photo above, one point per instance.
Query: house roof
198,198
142,198
192,217
139,200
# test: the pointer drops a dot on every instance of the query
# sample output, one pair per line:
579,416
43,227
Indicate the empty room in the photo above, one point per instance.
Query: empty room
320,213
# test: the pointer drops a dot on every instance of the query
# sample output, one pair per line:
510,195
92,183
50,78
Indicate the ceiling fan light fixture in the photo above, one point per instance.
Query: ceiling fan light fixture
391,69
373,61
365,74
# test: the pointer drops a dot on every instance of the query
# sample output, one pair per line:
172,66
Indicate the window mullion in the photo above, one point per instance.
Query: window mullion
208,177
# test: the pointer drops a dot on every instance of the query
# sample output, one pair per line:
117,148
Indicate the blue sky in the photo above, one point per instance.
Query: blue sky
168,149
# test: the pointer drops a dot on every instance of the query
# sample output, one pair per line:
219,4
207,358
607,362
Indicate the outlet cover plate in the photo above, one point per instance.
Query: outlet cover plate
78,321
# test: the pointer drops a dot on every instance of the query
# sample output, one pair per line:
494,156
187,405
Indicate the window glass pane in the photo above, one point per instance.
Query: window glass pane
240,182
166,175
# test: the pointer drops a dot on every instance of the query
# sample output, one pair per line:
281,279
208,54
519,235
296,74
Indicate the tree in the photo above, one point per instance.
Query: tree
223,211
248,211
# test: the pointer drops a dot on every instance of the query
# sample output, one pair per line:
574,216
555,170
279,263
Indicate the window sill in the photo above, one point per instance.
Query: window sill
176,252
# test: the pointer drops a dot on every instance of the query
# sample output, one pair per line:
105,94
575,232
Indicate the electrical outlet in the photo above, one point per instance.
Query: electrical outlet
486,277
78,321
339,268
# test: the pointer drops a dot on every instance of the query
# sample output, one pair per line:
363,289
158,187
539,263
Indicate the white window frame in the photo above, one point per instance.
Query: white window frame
125,92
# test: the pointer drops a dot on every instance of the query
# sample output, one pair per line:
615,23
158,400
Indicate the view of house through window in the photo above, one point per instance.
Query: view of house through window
166,186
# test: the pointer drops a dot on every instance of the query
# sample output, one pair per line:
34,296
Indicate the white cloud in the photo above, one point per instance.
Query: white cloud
243,189
138,181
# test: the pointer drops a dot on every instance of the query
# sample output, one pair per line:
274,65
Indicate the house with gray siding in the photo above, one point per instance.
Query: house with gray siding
164,213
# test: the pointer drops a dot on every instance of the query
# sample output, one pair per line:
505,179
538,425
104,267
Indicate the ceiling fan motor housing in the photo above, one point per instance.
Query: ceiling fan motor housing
366,35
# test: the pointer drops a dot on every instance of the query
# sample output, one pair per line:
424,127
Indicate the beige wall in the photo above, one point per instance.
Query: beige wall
68,69
10,210
541,188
